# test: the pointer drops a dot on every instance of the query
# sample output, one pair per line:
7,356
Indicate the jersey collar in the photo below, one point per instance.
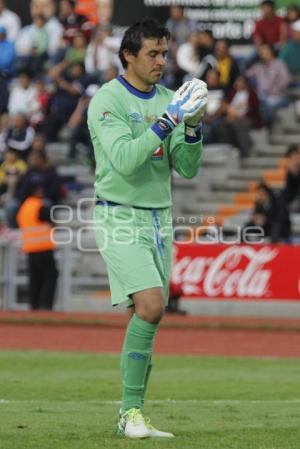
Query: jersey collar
138,93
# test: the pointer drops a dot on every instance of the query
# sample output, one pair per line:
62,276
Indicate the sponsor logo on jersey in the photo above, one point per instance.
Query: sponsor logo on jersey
158,154
136,117
104,116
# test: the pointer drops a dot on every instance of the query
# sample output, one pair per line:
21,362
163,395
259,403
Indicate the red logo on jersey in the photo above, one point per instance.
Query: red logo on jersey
158,154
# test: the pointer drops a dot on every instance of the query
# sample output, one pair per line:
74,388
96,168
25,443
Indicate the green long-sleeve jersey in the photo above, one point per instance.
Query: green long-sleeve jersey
133,157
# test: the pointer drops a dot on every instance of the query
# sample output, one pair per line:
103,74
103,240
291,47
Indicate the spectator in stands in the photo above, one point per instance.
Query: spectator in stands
73,22
40,172
40,105
188,58
270,29
47,9
271,79
39,143
206,43
241,114
290,52
62,103
292,15
34,222
264,213
214,110
22,96
19,135
10,21
32,46
288,195
179,26
225,64
7,55
102,52
11,169
292,183
79,133
75,53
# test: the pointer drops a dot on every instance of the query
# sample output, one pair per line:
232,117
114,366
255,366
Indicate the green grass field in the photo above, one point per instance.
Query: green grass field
69,401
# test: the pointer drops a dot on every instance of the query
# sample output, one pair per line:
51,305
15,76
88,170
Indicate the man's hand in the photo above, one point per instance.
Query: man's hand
187,106
199,87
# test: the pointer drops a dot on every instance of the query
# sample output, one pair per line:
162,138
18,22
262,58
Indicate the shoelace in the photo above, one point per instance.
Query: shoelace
134,415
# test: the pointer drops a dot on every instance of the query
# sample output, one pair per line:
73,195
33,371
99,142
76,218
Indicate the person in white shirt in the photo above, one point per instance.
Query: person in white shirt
22,96
10,21
102,52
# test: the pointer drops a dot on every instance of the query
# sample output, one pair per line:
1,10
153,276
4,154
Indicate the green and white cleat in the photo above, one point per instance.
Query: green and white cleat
155,433
132,425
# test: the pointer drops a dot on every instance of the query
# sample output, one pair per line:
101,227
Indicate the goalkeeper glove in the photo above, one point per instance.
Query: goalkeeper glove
185,105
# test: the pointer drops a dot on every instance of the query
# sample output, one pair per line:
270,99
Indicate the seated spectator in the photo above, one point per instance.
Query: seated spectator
79,133
39,143
47,9
11,169
290,52
102,52
292,183
270,29
206,43
73,22
7,55
214,110
10,21
19,135
225,64
188,58
179,26
22,96
39,173
75,53
32,46
241,109
292,15
288,194
264,214
62,103
40,105
271,81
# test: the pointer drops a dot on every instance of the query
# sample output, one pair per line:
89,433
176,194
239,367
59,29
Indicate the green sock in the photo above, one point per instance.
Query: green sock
149,369
136,355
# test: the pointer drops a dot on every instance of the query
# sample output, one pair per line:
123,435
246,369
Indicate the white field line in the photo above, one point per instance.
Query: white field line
173,401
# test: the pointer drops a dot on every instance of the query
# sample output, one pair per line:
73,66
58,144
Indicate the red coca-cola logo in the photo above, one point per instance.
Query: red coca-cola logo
237,271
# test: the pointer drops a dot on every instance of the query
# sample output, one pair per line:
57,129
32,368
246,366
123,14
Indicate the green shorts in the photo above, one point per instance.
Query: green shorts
136,245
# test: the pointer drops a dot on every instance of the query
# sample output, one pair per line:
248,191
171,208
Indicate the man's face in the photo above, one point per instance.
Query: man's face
150,61
267,11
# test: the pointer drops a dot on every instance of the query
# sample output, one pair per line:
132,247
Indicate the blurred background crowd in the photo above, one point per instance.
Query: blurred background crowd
50,69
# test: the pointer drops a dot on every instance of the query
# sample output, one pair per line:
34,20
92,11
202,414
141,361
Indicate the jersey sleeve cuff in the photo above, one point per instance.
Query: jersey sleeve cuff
158,131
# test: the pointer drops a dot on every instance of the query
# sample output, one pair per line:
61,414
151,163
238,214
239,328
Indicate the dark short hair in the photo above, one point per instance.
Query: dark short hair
133,38
268,3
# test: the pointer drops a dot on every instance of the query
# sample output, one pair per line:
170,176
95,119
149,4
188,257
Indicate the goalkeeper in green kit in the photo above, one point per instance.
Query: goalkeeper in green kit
140,132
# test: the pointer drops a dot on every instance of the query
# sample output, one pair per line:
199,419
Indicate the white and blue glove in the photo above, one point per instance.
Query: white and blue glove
188,105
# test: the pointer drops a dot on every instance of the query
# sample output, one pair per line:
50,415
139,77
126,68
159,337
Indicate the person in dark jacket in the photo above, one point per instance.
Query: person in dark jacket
241,114
40,173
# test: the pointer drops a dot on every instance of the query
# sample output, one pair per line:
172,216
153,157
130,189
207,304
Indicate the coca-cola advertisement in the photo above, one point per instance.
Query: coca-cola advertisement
247,272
